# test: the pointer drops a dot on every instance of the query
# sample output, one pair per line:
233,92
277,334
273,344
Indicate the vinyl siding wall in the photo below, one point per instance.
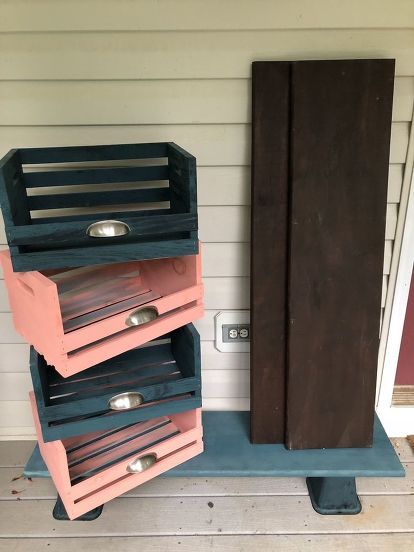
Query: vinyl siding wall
108,71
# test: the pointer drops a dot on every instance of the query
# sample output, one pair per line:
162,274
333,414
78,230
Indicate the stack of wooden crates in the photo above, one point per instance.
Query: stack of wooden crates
103,274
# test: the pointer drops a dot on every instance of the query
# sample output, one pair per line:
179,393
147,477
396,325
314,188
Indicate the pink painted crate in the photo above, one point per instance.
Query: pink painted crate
77,318
92,469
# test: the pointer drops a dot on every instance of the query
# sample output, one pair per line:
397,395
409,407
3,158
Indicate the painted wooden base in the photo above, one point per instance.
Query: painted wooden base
334,495
60,514
228,452
330,473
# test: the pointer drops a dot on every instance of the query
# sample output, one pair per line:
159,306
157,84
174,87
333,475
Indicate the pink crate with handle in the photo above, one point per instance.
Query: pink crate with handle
92,469
79,317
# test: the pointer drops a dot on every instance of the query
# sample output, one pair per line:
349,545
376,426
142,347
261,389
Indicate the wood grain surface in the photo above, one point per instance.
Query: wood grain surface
340,135
270,148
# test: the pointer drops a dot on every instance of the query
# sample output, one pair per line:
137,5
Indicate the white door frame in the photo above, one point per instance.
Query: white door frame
397,420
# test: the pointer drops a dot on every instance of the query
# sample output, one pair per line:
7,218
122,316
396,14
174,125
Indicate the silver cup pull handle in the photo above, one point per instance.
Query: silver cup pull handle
142,463
108,229
126,401
141,316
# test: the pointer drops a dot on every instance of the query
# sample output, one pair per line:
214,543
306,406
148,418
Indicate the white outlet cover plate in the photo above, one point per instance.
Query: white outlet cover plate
231,317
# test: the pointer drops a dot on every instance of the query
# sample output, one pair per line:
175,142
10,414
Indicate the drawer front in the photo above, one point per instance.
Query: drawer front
86,504
99,466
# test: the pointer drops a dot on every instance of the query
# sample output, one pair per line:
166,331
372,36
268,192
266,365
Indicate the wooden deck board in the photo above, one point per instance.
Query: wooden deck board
203,516
223,514
224,543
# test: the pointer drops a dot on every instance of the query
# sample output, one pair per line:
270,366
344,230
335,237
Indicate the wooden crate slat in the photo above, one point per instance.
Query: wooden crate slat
97,175
340,137
92,199
74,154
99,213
70,231
104,384
270,143
145,356
105,254
110,310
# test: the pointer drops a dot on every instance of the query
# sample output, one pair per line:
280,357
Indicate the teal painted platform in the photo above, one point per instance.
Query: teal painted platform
228,452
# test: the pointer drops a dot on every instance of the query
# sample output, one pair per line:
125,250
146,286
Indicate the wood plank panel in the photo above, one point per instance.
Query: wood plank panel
173,516
213,54
270,156
210,487
382,542
193,101
210,144
336,252
45,15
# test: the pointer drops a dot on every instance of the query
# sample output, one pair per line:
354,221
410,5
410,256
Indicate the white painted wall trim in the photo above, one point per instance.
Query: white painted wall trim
398,421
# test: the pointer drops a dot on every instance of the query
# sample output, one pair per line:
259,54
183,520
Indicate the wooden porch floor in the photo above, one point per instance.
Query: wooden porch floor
223,514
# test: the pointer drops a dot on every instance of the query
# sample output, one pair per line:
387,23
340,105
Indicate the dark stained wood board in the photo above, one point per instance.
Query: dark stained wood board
270,144
340,134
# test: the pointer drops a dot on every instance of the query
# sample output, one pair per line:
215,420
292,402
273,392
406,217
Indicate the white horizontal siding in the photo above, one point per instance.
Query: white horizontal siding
144,15
189,55
213,145
146,102
142,70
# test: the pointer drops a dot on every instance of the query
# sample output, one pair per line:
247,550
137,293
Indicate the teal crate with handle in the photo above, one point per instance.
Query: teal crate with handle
86,205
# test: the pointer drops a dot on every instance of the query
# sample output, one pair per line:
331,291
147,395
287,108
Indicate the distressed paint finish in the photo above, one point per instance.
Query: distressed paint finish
105,481
162,217
37,315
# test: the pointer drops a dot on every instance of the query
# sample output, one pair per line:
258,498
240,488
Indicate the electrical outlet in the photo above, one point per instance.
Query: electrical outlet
238,332
232,330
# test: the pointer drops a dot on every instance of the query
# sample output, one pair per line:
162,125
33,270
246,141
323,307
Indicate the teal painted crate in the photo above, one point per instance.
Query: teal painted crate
162,377
85,205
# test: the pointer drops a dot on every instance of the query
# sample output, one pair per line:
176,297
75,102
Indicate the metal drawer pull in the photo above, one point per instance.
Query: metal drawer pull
141,316
126,401
141,464
108,229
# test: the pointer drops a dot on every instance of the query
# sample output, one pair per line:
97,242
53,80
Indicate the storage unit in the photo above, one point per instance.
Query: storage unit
161,377
91,469
85,205
77,318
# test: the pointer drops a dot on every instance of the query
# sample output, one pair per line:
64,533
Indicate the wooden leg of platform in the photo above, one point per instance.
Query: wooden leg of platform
334,495
59,512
